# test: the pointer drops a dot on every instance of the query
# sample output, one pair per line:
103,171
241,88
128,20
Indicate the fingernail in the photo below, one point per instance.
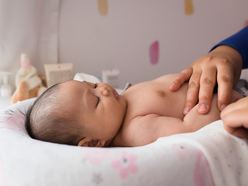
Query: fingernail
222,107
186,110
203,107
173,86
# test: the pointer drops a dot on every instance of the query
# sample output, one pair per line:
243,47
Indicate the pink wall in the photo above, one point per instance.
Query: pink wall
105,34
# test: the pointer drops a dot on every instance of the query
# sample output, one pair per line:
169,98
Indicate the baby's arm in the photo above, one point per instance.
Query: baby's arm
195,121
143,130
147,129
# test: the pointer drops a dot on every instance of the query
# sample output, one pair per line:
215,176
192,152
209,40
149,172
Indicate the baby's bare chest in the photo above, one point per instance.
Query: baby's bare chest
155,98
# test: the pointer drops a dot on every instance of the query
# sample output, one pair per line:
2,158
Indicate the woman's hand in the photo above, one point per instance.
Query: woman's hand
222,65
235,118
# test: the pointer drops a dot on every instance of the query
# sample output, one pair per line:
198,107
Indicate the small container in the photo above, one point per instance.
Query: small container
111,77
6,90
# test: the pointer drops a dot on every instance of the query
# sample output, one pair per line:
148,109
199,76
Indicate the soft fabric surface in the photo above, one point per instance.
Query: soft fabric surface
183,159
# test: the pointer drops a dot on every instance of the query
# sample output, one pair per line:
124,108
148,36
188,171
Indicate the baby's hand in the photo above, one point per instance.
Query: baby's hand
235,118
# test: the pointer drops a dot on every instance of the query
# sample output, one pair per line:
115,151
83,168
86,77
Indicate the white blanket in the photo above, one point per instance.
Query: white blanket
209,156
227,155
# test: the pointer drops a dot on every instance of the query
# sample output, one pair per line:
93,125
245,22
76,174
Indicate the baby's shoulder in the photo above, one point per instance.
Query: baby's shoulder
167,77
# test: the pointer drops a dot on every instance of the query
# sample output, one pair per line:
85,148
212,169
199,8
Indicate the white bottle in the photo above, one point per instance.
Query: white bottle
6,90
111,77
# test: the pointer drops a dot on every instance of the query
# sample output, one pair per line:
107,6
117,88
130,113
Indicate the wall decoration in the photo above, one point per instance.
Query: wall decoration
188,5
154,52
103,7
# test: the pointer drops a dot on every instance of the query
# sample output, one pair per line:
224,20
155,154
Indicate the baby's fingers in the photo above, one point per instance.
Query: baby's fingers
181,79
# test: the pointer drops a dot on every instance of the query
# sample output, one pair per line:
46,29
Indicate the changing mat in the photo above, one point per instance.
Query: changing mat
209,156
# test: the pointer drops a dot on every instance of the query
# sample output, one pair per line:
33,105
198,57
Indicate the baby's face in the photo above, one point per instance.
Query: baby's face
99,108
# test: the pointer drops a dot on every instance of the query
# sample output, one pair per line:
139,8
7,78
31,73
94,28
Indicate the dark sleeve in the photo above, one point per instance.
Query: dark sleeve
239,41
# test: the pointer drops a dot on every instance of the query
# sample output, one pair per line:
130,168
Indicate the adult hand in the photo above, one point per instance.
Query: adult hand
235,118
222,65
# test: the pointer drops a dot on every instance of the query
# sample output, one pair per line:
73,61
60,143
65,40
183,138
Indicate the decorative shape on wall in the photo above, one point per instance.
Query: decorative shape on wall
103,7
188,5
154,52
246,23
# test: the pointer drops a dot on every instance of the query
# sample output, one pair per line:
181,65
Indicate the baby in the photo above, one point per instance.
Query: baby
95,115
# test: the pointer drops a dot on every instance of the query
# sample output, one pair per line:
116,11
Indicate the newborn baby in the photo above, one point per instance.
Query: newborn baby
95,115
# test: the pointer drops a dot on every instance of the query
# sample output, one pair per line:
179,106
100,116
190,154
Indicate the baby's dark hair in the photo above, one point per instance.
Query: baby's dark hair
46,121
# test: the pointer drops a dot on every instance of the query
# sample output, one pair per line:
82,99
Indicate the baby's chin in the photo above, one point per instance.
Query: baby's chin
123,103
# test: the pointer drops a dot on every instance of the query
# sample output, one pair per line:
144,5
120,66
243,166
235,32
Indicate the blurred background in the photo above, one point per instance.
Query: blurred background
143,39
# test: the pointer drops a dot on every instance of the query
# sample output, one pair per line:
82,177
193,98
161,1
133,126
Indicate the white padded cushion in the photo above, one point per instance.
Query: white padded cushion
184,159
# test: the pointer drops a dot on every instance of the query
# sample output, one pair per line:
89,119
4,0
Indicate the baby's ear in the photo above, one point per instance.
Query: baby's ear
87,142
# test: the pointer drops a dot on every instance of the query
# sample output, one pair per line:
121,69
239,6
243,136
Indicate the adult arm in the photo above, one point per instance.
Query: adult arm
222,65
238,41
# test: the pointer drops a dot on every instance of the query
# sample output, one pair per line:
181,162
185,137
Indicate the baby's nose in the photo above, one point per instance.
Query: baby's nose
105,91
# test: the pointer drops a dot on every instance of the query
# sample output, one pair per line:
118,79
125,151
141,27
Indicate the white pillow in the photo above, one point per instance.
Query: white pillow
183,159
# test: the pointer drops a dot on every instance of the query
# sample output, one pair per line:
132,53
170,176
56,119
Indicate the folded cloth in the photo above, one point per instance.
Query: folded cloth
86,77
94,79
242,87
128,85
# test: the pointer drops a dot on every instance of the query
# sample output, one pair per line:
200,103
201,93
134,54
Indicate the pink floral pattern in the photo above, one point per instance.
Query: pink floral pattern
96,157
184,152
126,165
13,120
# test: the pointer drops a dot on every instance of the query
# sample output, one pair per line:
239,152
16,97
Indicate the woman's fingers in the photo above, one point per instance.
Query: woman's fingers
225,85
241,104
193,91
235,119
235,123
221,65
181,79
207,83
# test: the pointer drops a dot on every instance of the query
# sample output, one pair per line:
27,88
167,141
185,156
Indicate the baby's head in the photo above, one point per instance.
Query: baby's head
77,113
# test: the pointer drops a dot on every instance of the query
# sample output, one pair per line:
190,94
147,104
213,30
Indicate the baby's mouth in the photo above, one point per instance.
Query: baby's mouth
116,94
